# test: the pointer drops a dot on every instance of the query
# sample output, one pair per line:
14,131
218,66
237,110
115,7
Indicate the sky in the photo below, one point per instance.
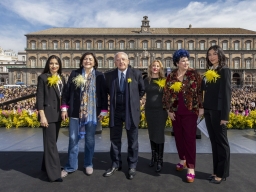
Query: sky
20,17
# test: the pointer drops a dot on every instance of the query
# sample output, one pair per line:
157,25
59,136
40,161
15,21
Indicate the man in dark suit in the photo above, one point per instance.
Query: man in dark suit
125,87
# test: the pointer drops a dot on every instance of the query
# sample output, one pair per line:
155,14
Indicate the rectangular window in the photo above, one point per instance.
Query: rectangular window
191,63
66,45
77,63
236,64
158,45
248,64
18,75
55,45
110,45
33,63
131,62
43,45
202,46
111,63
99,46
191,46
145,63
248,46
88,45
224,46
202,64
100,63
77,45
23,58
179,45
236,46
33,45
131,45
168,46
145,45
168,63
121,45
213,43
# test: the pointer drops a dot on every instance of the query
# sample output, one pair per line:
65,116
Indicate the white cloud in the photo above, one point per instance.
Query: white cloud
126,13
39,12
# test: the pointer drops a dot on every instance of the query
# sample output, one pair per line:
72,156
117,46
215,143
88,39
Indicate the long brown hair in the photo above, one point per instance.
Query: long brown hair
161,71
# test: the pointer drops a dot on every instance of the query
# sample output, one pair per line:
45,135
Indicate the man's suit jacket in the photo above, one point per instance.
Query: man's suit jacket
218,95
48,98
134,91
72,94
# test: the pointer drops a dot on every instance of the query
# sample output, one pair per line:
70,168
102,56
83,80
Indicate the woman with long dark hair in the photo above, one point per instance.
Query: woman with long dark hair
49,90
217,99
85,102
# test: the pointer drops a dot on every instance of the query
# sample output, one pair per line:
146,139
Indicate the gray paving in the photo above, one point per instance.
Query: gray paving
30,139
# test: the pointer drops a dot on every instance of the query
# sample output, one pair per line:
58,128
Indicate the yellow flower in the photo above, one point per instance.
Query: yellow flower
53,80
79,81
160,83
129,80
211,76
176,86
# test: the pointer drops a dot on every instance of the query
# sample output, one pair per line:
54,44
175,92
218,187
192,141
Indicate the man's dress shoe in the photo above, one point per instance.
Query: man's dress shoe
131,173
111,171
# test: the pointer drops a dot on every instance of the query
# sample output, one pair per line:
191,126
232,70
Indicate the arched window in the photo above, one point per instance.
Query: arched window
66,62
202,63
100,62
121,45
202,45
77,62
88,45
248,63
111,45
168,45
191,45
179,44
77,44
33,45
158,44
132,61
99,45
144,44
191,62
43,61
32,62
131,45
44,45
55,45
111,62
236,45
225,45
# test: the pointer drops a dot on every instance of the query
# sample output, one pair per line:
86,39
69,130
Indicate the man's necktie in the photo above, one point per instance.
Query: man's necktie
122,82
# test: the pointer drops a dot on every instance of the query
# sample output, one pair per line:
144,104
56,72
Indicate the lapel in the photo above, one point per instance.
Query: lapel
129,75
115,82
54,86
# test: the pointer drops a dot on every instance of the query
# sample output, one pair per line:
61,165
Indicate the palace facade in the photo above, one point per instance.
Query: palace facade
143,45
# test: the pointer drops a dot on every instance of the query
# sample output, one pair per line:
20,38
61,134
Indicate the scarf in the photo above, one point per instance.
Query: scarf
88,112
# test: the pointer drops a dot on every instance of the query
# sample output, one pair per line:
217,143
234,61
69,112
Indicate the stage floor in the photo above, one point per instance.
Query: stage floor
30,139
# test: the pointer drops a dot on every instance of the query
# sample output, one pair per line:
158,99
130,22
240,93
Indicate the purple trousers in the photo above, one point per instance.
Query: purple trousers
184,128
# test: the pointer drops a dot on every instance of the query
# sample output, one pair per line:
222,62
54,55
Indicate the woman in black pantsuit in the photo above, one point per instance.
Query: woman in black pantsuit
49,88
217,101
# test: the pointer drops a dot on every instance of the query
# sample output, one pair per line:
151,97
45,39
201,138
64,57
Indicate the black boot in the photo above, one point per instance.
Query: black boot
153,149
160,150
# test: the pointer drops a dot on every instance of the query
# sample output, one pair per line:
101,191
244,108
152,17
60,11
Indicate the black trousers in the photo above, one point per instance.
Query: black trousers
116,143
219,141
51,160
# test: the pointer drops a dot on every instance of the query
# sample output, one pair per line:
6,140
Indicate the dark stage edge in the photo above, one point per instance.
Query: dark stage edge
20,171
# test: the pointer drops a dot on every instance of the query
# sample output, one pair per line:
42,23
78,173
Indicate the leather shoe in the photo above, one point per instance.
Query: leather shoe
131,173
111,171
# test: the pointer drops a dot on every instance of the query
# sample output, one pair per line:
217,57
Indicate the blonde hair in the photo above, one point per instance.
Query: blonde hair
161,71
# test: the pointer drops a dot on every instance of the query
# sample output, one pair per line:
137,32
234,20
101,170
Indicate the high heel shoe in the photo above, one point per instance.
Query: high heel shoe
190,178
210,177
217,181
180,167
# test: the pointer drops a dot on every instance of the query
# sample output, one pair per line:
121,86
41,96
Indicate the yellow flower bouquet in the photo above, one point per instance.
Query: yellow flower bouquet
176,87
211,76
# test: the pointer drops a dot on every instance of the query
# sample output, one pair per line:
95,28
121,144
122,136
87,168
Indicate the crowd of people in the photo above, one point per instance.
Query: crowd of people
7,94
184,96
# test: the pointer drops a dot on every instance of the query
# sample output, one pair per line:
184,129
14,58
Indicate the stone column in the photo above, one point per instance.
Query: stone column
230,61
242,61
196,61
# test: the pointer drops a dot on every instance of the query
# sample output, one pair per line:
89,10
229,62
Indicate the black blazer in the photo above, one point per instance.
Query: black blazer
48,98
71,94
136,90
217,95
